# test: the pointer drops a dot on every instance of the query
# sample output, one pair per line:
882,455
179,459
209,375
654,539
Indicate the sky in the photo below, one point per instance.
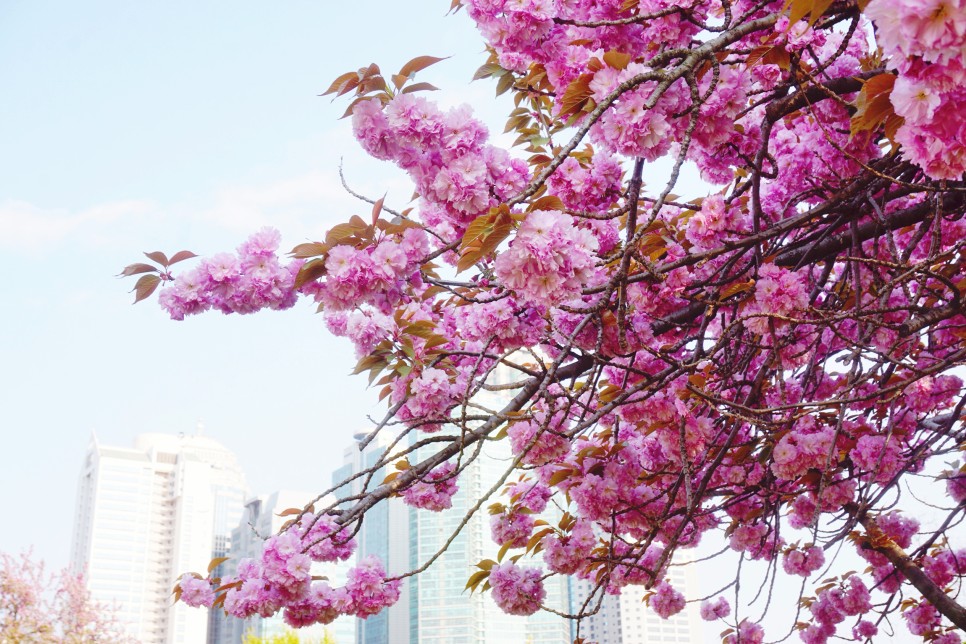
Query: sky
129,127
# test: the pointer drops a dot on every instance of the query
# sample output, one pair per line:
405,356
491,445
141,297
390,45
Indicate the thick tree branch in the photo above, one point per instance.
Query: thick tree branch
878,541
806,252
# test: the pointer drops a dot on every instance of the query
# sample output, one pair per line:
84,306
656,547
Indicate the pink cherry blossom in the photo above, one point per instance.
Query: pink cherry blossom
517,590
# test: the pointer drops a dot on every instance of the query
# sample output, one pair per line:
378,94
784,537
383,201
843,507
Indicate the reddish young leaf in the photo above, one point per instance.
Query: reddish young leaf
290,511
419,87
342,84
310,271
309,249
217,561
872,104
377,209
180,256
418,64
617,59
135,269
489,69
145,286
159,257
547,202
577,95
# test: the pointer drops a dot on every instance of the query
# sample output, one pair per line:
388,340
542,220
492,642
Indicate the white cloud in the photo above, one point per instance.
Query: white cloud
294,202
301,206
31,229
304,205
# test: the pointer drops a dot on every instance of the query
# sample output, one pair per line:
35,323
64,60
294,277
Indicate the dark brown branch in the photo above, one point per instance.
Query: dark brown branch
805,253
815,93
878,541
928,318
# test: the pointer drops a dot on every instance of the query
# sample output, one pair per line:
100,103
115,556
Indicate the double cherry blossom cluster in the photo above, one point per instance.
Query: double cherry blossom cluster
457,174
282,579
376,275
251,280
924,40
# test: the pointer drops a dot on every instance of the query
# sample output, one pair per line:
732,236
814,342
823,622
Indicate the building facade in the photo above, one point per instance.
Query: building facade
603,621
384,533
434,607
148,513
641,625
626,619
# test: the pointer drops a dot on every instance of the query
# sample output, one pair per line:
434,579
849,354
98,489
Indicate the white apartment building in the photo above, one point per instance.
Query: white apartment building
626,619
641,625
146,514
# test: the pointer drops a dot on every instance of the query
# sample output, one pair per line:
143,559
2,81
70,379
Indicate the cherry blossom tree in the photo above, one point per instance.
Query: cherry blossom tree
766,359
39,607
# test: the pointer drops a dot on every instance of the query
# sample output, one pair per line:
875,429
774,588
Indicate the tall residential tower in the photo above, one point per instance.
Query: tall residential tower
148,513
435,606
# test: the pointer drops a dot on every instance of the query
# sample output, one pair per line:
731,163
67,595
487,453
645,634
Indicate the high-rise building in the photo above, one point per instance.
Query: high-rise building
261,519
602,624
641,625
147,514
384,533
434,606
626,619
442,610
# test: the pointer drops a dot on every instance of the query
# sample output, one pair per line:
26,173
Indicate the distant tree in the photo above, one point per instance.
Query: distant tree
767,359
37,607
290,637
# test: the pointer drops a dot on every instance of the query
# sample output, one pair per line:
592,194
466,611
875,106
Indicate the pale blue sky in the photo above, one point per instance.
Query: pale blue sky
142,126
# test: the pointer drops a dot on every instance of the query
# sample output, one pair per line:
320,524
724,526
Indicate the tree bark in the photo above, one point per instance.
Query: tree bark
879,541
